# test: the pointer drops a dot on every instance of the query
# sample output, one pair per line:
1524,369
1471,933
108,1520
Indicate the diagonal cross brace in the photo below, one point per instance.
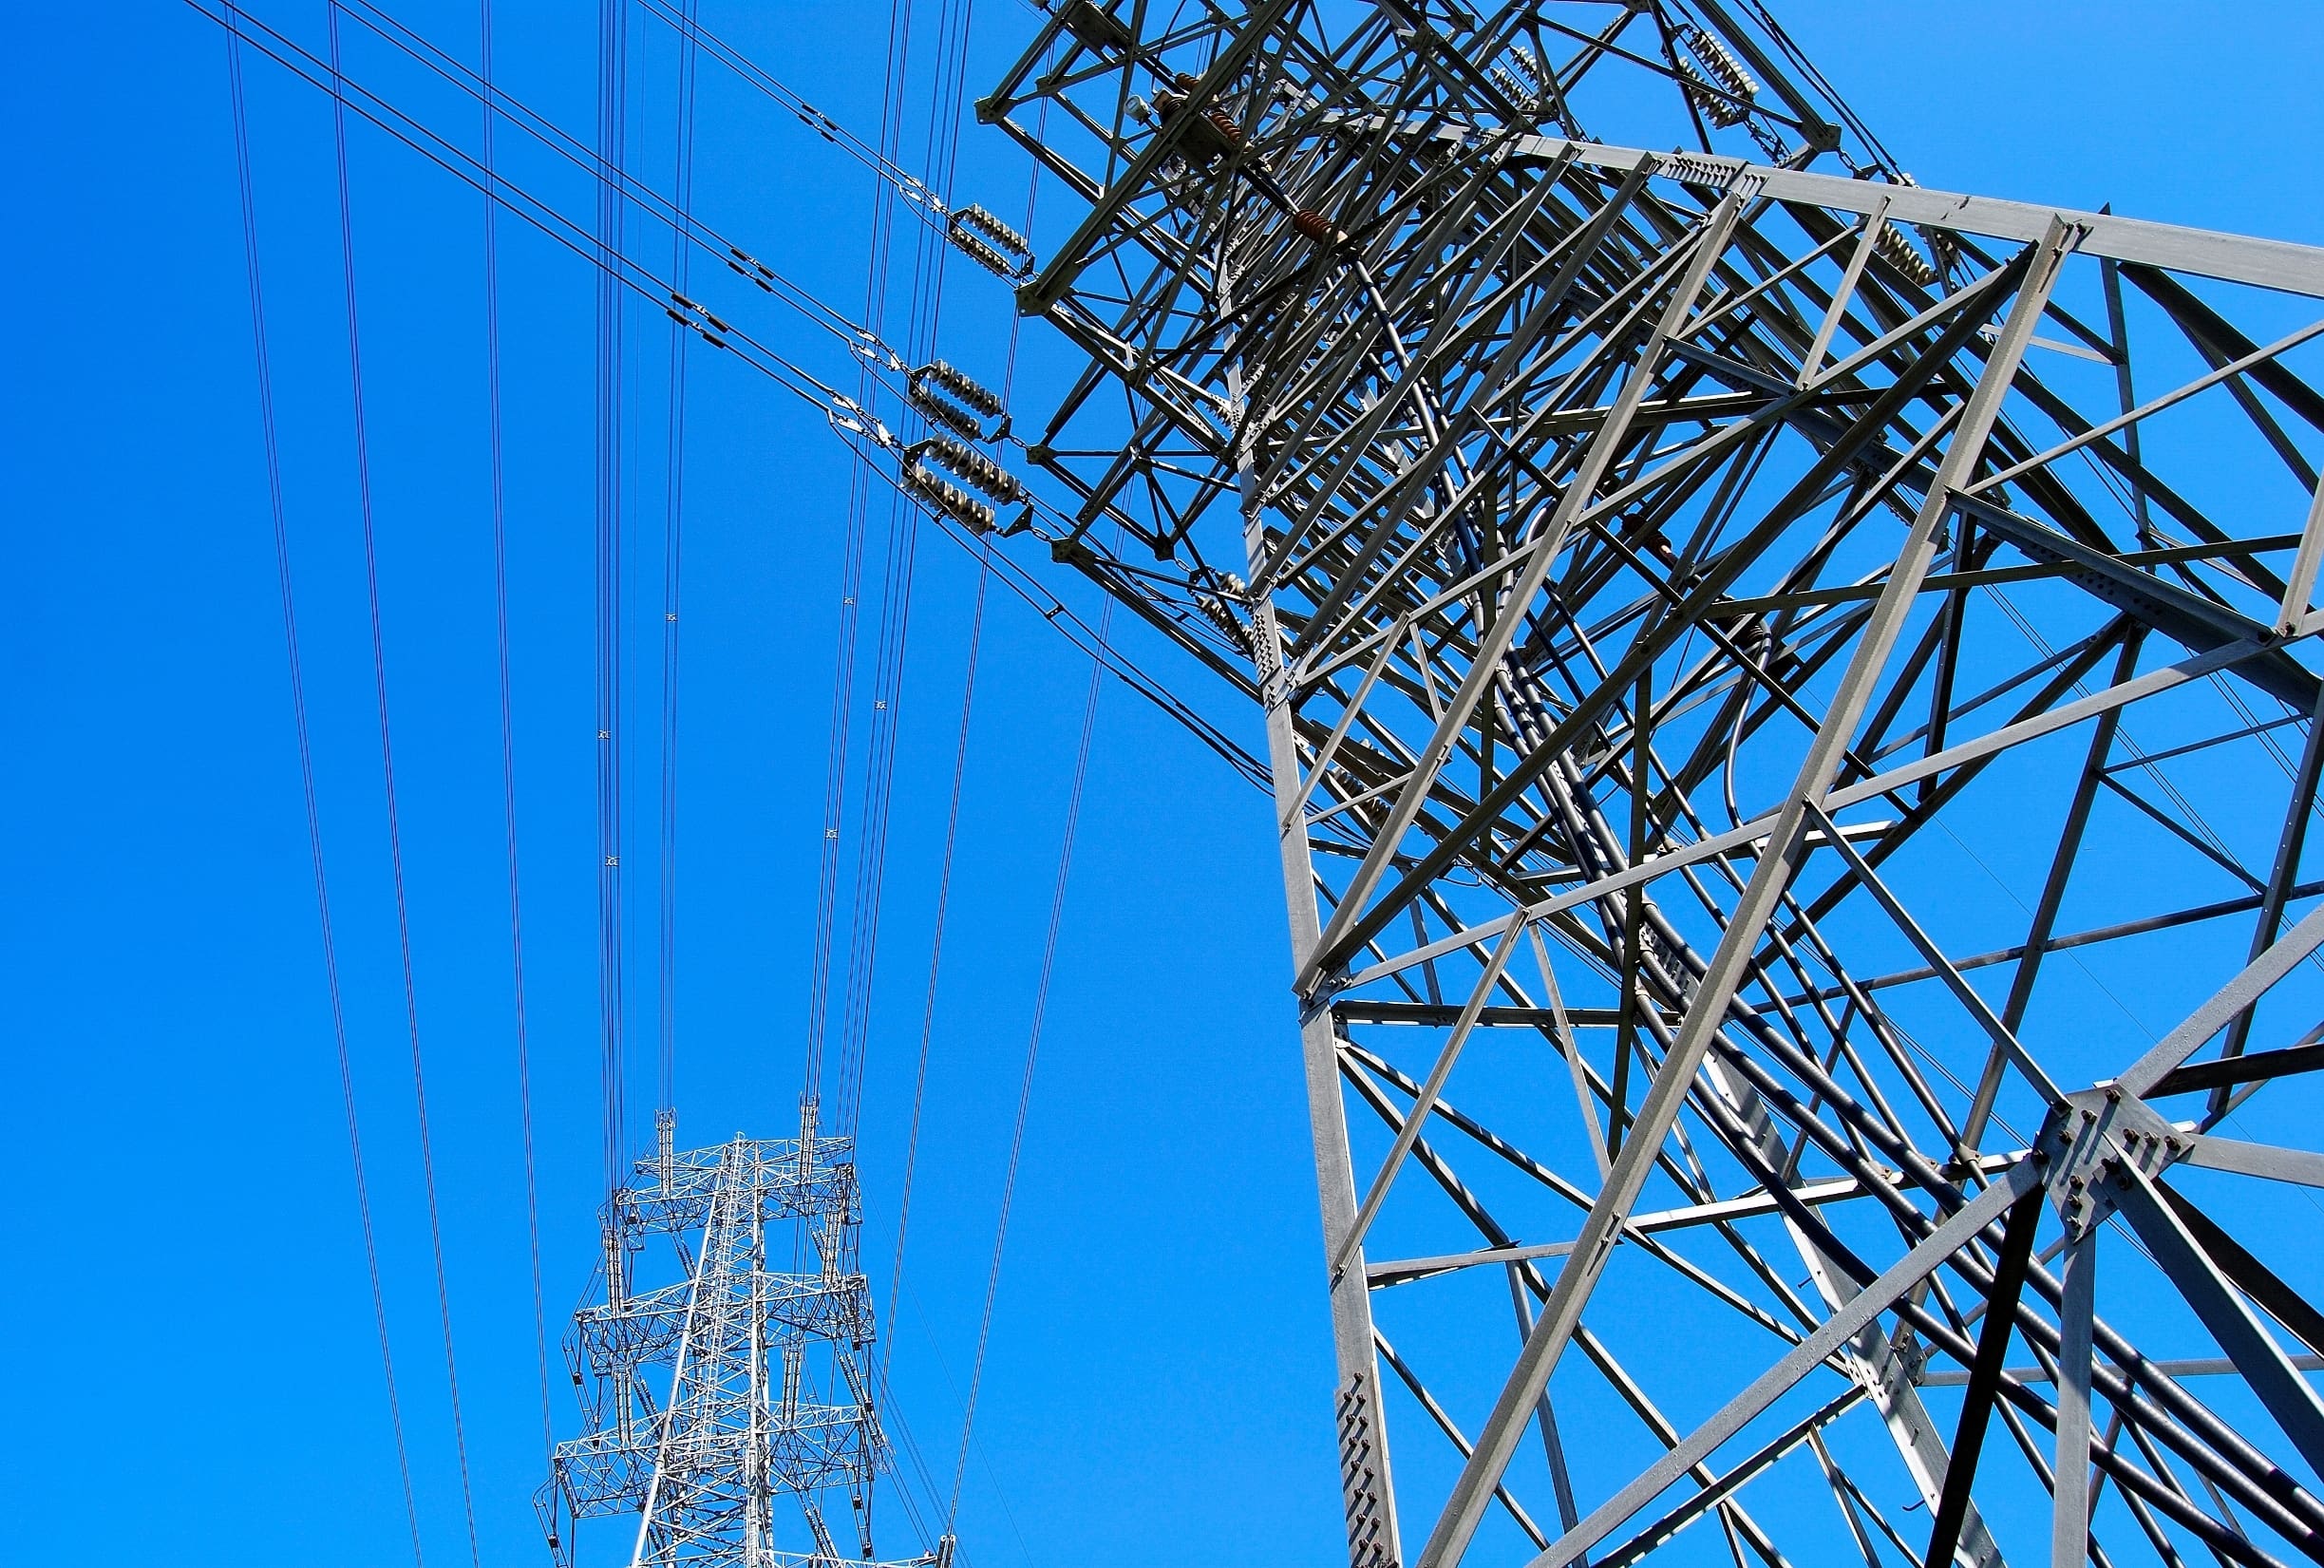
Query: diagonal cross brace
1710,244
1497,1443
1828,1340
1056,280
2246,988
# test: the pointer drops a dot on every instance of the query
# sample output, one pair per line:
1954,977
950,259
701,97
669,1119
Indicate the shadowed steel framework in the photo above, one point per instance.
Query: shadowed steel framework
1790,700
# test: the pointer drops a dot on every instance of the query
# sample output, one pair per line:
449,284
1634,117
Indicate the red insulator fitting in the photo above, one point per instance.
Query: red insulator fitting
1316,227
1226,128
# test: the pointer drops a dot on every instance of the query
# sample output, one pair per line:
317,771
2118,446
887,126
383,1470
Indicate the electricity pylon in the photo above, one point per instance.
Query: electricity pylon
734,1391
1791,702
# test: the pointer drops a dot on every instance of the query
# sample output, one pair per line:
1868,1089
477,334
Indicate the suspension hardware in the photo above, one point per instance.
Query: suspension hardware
752,266
687,313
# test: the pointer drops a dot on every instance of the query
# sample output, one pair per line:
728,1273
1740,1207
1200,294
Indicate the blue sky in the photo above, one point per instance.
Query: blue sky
1159,1368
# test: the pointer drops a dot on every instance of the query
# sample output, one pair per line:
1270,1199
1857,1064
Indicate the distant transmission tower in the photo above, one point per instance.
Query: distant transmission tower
728,1402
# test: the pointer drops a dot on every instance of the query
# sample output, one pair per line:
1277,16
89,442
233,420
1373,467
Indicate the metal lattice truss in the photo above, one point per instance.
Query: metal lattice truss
734,1385
1758,658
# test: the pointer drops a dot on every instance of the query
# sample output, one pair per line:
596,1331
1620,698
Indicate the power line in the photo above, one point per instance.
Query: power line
674,538
935,954
839,733
784,372
306,771
508,746
513,197
612,209
591,160
1032,1054
387,761
952,836
925,310
879,160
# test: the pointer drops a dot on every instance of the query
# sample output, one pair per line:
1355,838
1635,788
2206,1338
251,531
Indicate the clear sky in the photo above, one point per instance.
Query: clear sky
195,1375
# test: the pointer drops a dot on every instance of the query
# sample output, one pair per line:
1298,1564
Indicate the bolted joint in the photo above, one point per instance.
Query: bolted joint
2090,1146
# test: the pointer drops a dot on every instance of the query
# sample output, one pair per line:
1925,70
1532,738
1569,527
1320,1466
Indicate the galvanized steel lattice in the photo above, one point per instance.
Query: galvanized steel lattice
734,1388
1747,646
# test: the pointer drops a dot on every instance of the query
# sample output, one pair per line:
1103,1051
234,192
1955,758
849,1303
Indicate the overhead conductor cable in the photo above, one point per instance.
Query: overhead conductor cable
306,770
386,762
508,744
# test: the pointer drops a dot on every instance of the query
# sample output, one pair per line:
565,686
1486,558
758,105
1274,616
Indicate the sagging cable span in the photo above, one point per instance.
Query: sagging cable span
848,418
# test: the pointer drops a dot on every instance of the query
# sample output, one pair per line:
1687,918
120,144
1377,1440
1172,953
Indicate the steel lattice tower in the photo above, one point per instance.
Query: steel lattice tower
735,1389
1671,582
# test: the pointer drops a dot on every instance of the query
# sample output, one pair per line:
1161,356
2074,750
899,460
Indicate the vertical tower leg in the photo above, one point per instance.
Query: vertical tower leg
1361,1422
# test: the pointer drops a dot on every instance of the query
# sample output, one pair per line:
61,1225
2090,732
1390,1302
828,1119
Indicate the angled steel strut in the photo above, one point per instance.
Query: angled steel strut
1708,607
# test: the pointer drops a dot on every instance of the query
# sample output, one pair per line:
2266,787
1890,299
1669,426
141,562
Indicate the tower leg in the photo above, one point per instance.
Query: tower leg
1369,1501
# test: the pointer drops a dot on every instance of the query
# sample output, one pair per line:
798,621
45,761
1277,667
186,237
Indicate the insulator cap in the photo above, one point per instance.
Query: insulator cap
1721,65
989,243
984,255
963,386
1709,102
957,401
968,465
937,412
947,498
1898,253
1215,610
1316,227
